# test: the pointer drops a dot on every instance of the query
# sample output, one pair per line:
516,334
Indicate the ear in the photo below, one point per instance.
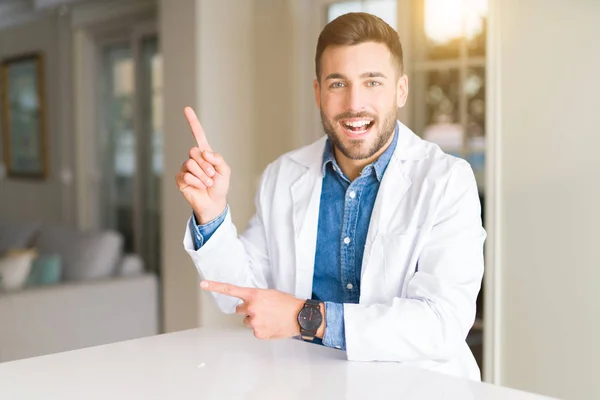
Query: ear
317,88
402,91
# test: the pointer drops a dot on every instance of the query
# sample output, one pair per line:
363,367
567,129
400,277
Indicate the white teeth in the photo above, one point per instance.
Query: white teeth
357,124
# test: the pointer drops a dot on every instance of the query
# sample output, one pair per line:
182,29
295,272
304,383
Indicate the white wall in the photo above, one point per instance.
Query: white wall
226,108
178,44
549,192
275,88
49,200
208,50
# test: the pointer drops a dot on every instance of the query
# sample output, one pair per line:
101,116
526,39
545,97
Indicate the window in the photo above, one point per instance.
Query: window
447,80
448,77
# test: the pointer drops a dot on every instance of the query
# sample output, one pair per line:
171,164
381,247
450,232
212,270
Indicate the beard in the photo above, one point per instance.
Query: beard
357,149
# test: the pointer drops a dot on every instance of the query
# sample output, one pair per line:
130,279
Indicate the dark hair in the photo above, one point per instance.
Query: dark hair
356,28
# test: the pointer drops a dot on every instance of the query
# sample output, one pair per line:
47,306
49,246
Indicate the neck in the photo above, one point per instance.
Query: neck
352,168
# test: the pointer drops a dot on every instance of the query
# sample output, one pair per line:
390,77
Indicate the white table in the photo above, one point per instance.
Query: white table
227,364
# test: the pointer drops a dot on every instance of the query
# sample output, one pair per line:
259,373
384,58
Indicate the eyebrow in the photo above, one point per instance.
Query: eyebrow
363,75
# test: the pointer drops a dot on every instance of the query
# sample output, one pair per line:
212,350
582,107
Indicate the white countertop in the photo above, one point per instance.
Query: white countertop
228,364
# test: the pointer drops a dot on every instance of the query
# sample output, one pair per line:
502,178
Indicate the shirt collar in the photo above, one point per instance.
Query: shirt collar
379,165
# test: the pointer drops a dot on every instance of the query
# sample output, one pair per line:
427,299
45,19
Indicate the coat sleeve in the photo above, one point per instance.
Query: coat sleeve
239,260
431,323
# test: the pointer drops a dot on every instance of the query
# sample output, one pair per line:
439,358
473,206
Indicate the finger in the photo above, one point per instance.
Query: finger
179,178
218,162
248,321
197,129
228,289
193,167
196,155
190,180
242,309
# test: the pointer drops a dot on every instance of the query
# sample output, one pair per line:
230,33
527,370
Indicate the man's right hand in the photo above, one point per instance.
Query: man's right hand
204,177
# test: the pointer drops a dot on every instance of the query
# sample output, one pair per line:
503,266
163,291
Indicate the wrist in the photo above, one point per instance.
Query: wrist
321,331
209,215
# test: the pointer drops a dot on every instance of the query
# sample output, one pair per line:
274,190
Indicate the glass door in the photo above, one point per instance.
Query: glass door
130,144
151,152
117,143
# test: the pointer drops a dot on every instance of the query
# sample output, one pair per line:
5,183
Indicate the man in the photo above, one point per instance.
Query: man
368,240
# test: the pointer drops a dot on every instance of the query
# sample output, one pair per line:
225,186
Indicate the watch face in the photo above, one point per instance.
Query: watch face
310,319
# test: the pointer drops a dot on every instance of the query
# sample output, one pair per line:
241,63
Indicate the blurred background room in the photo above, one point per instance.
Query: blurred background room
92,134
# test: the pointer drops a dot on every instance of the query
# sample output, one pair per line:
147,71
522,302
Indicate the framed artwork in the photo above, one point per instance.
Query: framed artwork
23,116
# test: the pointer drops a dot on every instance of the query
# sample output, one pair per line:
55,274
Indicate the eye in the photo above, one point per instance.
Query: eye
336,85
374,83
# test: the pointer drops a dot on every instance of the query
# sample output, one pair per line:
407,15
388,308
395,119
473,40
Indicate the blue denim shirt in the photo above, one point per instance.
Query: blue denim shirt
202,233
344,216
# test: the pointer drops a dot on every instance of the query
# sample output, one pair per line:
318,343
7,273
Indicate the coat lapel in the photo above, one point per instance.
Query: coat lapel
394,187
306,197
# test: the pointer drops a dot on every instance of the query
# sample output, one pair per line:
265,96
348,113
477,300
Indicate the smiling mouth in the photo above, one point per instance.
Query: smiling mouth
357,126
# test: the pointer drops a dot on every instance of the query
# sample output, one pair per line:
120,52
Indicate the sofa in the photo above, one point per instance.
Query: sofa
63,289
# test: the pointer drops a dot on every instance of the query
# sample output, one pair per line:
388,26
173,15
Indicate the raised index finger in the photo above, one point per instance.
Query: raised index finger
197,129
227,289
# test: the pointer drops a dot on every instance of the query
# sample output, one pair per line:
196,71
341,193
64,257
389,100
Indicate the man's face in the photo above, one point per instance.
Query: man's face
358,94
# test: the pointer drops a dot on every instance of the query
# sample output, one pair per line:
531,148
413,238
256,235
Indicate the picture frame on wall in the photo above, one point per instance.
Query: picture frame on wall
23,116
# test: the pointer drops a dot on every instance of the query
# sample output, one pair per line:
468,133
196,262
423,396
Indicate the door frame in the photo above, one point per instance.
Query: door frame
492,333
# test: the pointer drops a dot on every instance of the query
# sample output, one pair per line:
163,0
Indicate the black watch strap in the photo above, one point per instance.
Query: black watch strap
313,303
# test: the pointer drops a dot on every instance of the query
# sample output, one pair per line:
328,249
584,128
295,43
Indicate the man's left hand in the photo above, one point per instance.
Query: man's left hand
270,313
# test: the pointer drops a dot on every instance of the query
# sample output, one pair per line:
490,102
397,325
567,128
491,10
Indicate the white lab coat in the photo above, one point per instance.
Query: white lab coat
423,260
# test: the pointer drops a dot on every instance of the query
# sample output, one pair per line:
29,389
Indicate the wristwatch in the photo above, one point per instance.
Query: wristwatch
310,319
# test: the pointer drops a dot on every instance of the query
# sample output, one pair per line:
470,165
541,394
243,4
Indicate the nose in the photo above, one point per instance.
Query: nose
355,98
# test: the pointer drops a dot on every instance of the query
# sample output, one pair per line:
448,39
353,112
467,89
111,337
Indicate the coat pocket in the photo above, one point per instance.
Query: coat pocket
400,255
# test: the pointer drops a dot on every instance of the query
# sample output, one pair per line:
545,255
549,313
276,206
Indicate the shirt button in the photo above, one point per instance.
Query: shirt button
347,240
352,194
349,286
